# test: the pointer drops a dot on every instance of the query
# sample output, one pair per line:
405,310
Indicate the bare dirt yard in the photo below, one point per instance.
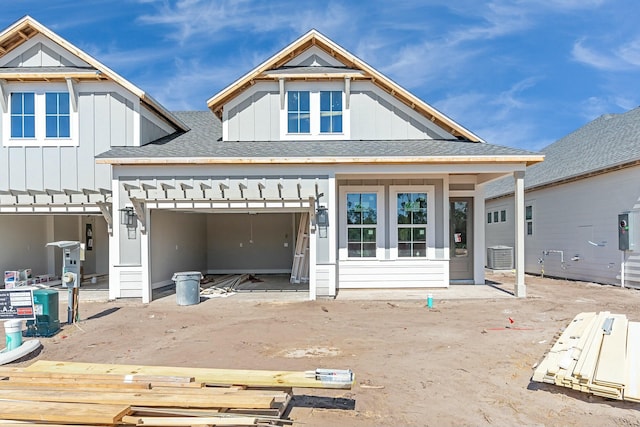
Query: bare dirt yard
455,364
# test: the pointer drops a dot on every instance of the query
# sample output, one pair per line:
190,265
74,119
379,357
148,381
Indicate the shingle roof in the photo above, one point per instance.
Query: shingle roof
204,140
610,140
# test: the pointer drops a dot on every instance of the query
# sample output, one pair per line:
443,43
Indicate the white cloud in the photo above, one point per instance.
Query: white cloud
600,60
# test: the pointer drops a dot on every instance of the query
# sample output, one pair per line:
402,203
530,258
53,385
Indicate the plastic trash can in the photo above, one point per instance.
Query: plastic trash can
187,287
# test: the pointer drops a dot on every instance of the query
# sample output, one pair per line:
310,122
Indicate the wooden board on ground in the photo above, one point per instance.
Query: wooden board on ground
75,413
251,378
632,382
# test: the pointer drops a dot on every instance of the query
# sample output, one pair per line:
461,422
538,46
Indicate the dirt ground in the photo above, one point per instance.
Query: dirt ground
454,364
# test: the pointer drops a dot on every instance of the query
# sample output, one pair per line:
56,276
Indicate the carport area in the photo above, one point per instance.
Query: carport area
260,244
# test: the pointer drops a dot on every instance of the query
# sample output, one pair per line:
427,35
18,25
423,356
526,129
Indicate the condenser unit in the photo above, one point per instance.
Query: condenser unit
500,258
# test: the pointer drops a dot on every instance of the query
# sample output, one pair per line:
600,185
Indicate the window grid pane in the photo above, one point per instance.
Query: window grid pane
362,217
298,112
57,115
412,220
330,111
23,123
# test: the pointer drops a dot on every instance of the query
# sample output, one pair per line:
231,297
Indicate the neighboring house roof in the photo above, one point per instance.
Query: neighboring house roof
27,28
203,144
267,71
610,142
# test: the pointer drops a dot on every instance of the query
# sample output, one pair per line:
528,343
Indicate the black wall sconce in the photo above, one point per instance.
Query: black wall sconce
128,217
322,217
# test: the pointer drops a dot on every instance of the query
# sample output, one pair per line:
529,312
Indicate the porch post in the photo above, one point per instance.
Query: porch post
520,290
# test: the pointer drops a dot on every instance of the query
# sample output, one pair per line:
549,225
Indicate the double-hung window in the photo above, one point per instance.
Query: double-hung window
362,221
330,111
412,213
57,115
23,115
298,112
411,216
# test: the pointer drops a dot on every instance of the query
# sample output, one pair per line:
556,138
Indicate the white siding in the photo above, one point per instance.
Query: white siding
392,274
580,220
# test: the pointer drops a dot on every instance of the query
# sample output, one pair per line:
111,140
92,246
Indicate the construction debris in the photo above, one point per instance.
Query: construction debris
68,393
597,354
225,286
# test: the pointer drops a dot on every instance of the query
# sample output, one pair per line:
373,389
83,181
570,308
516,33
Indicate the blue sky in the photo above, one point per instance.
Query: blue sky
517,73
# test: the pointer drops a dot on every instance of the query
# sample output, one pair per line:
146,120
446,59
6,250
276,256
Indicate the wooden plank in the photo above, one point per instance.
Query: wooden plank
69,385
132,378
191,421
587,370
610,369
252,378
141,398
632,382
63,412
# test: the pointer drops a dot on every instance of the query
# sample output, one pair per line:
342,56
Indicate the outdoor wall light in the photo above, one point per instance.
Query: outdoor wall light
128,217
322,217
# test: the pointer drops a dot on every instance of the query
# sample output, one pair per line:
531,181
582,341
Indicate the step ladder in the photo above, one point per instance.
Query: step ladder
300,268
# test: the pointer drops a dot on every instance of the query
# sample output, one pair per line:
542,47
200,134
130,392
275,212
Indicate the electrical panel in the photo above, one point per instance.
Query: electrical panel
628,229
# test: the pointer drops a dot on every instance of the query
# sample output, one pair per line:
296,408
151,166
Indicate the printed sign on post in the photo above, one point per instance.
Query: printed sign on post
16,304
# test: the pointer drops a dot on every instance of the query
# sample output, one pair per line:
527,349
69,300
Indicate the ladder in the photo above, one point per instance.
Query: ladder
300,268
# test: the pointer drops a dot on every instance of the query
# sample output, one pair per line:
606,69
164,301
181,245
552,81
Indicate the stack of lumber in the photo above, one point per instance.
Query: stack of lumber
597,353
68,393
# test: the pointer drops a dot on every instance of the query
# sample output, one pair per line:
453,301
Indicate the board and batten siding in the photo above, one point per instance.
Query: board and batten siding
105,120
374,115
580,219
377,274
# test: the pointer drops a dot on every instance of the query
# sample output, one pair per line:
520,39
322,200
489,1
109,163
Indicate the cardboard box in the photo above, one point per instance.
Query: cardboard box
11,276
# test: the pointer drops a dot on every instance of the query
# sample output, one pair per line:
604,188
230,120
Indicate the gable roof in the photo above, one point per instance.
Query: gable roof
355,68
203,145
27,27
610,142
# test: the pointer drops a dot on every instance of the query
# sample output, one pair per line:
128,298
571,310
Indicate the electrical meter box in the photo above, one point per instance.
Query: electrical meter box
628,229
46,307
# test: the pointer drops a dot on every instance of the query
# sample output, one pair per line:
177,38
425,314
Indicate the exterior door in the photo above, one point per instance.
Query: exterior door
461,239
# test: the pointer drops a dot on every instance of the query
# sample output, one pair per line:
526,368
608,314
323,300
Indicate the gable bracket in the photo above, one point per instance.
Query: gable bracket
282,93
3,96
347,91
73,93
138,208
105,208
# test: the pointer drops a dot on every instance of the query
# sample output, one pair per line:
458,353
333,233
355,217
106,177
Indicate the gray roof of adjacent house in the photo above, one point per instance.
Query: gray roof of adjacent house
204,140
610,141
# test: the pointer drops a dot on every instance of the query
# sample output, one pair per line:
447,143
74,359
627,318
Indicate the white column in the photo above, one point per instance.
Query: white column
114,240
313,259
520,290
145,259
479,251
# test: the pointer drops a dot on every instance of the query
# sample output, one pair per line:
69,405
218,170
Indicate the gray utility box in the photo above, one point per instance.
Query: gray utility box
500,257
187,287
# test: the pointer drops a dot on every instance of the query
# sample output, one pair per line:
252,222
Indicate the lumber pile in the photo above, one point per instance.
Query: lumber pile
597,353
67,393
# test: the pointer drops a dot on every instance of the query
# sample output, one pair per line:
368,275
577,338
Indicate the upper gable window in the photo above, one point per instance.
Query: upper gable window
39,114
298,112
331,111
58,115
23,124
314,111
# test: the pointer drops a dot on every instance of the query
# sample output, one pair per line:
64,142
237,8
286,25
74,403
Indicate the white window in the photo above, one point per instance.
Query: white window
528,218
412,219
39,114
314,111
361,222
298,112
331,111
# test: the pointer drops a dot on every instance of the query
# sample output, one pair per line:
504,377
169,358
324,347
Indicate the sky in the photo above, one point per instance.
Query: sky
519,73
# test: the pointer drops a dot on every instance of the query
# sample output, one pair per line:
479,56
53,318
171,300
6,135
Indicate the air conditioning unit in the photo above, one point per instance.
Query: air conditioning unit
500,258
